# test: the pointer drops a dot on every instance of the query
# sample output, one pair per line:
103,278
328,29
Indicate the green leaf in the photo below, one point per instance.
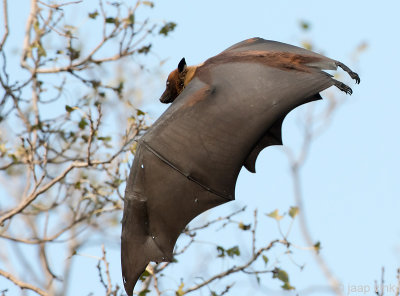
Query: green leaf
275,215
70,27
82,123
305,25
144,49
37,126
144,275
130,20
73,53
283,276
77,185
120,87
148,3
139,112
221,251
110,20
95,83
265,258
167,28
180,292
94,14
144,292
243,226
307,45
105,139
36,26
69,109
293,212
234,251
41,51
287,286
13,156
317,246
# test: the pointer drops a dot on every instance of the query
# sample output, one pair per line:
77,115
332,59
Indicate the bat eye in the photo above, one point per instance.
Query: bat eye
167,83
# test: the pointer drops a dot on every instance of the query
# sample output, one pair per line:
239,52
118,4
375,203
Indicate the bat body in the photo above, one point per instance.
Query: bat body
224,112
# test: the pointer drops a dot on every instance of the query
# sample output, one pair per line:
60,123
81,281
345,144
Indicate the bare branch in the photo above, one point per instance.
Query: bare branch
103,259
6,30
235,269
57,6
27,39
380,289
22,284
211,222
296,164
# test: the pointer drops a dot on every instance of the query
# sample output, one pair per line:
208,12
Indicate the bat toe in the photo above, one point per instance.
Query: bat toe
355,76
343,87
352,74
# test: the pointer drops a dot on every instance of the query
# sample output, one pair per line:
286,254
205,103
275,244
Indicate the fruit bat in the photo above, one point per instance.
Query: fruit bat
223,113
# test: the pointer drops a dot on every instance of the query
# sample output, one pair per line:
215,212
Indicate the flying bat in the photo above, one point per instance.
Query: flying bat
223,113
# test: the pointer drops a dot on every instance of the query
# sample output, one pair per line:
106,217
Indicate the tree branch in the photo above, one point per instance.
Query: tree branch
6,30
235,269
22,284
295,167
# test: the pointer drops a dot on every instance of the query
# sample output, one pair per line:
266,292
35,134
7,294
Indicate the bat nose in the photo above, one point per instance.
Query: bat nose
165,98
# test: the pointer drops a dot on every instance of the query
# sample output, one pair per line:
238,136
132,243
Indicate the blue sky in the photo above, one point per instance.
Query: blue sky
350,180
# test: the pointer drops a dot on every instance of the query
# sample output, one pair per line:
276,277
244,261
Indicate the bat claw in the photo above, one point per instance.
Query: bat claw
343,87
355,76
352,74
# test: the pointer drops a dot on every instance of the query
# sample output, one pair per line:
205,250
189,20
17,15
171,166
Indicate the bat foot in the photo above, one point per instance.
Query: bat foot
355,76
343,87
352,74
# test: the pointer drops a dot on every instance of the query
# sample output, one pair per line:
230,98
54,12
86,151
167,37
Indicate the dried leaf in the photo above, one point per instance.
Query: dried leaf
275,215
293,212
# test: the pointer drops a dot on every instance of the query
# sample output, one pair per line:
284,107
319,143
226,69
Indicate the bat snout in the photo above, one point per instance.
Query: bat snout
166,97
165,100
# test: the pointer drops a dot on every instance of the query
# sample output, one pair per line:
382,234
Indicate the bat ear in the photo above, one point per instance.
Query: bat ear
182,65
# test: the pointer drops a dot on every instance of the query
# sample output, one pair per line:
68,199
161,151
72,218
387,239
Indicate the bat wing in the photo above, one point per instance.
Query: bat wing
189,160
259,44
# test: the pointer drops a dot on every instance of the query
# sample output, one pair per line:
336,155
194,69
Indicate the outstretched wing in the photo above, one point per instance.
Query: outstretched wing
189,160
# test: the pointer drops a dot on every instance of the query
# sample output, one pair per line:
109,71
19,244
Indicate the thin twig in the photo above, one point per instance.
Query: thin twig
107,271
57,6
295,167
206,225
22,284
27,38
235,269
253,233
6,30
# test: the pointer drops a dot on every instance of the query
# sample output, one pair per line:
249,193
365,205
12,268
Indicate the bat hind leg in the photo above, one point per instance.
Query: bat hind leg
352,74
342,86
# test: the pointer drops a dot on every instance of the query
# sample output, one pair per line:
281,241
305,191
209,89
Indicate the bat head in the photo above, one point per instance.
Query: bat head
175,83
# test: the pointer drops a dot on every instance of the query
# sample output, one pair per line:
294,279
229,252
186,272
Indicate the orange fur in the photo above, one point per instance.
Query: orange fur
176,82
